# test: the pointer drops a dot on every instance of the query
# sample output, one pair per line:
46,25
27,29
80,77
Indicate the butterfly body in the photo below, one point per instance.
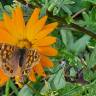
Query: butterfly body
12,57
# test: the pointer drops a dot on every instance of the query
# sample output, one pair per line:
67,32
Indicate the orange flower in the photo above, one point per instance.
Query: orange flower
14,31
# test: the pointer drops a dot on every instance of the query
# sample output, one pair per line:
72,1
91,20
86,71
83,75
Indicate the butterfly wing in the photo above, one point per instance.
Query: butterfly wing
9,59
31,58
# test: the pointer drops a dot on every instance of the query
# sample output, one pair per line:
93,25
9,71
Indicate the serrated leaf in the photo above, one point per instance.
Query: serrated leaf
67,10
56,11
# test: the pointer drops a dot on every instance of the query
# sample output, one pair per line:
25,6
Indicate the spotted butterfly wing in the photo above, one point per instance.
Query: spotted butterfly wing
30,58
9,59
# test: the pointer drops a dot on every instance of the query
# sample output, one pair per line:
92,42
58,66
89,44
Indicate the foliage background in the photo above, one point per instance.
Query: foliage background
74,73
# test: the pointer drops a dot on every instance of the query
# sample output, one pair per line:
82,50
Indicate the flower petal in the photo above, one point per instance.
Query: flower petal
40,24
1,25
39,70
46,30
7,22
3,77
15,25
46,62
34,17
34,28
31,75
5,37
45,41
18,22
48,51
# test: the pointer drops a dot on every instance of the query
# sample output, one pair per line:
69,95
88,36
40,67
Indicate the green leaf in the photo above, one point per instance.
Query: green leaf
46,88
72,72
25,91
7,88
13,87
67,38
68,2
58,80
80,44
85,16
57,5
67,10
56,11
44,9
92,60
8,8
92,1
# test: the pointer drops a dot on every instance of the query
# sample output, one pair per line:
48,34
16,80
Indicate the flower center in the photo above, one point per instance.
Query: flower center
24,43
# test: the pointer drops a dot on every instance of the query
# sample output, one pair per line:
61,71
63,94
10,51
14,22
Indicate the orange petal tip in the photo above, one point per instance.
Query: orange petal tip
56,24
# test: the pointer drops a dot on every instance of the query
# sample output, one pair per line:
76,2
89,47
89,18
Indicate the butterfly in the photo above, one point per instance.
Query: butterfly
11,57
